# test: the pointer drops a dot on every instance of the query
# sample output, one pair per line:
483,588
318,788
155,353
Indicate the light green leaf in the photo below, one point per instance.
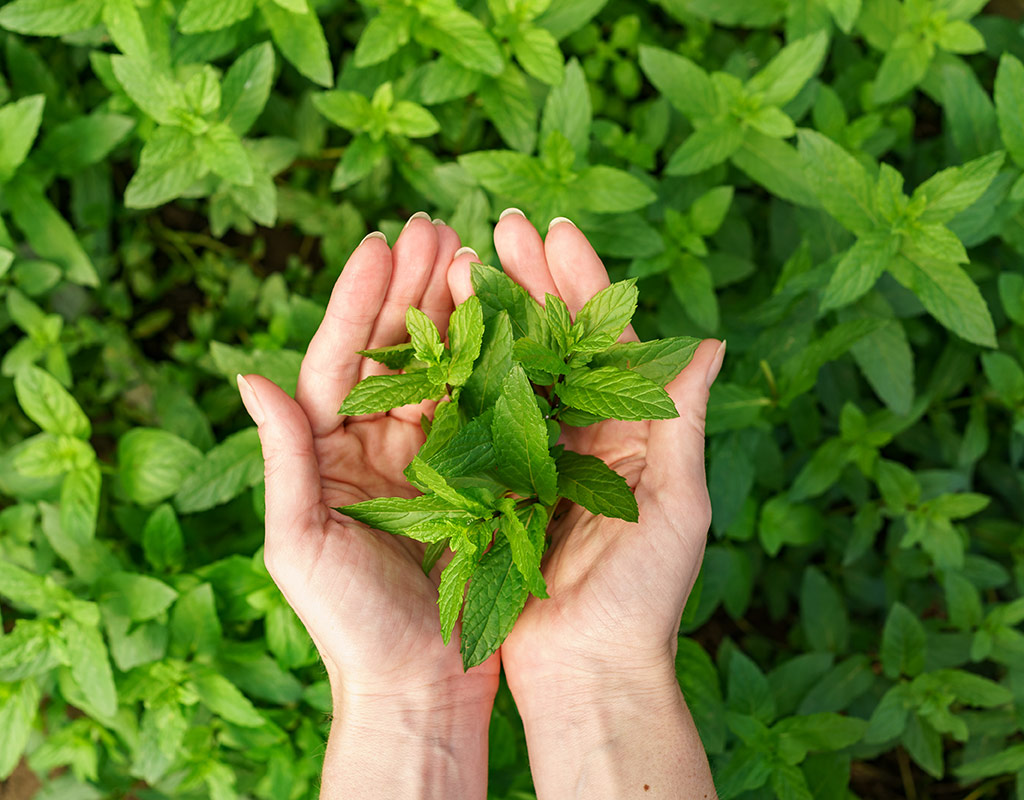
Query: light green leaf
379,393
840,182
617,394
785,75
162,541
903,67
466,335
1008,760
567,110
17,713
199,16
587,480
859,269
451,590
521,440
693,286
168,166
1009,97
498,292
19,122
462,37
539,55
224,699
607,313
397,514
151,89
412,120
79,503
495,598
708,211
394,356
660,360
300,38
83,141
709,145
137,597
426,340
221,150
50,17
483,387
49,404
90,665
509,105
607,190
684,84
246,87
887,362
524,554
153,463
225,472
383,35
950,191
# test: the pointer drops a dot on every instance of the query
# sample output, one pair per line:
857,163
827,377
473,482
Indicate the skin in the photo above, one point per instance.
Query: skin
591,668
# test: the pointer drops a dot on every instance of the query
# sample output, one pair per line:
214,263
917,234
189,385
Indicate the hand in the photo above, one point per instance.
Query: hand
362,594
617,589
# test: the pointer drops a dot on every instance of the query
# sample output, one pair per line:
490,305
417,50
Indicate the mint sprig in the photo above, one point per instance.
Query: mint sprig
491,470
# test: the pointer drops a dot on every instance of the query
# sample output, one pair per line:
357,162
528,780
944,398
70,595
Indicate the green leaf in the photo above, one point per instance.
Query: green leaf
1009,97
427,479
153,463
168,166
617,394
469,452
708,146
748,691
83,141
125,26
785,75
1005,375
199,16
162,541
225,472
79,503
20,122
903,643
950,191
451,590
587,480
246,86
394,356
397,514
775,165
137,597
684,84
509,105
50,17
382,36
949,295
349,110
524,554
494,601
521,440
903,67
607,190
784,523
541,363
660,360
221,150
708,211
195,627
840,182
924,744
1009,760
50,405
17,713
607,313
692,283
886,359
859,269
801,369
498,292
151,89
224,699
90,665
379,393
484,385
411,119
823,613
539,55
559,323
567,110
462,37
959,36
300,38
426,340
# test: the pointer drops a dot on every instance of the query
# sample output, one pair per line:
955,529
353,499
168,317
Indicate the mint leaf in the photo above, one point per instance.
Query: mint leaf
617,394
394,356
450,592
433,553
379,393
426,340
466,335
537,359
685,85
211,15
1009,97
484,384
498,292
607,313
50,405
785,75
397,514
300,38
521,440
226,471
587,480
559,322
90,665
903,643
660,361
50,17
950,191
468,452
496,596
427,479
524,554
20,123
840,182
859,269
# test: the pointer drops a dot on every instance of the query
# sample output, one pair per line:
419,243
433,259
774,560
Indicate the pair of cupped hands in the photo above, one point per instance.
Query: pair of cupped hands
617,589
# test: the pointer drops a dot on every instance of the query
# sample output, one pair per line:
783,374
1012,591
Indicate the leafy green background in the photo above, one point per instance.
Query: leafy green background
833,185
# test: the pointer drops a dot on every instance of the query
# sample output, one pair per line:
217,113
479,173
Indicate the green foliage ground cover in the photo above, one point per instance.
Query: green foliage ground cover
833,185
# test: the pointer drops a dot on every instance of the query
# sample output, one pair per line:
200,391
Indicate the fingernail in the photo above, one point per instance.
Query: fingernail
375,235
716,364
417,215
508,211
559,220
463,251
439,222
250,400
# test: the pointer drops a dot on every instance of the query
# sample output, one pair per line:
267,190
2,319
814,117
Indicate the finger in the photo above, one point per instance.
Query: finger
675,447
331,365
436,303
295,513
521,253
575,268
412,260
460,284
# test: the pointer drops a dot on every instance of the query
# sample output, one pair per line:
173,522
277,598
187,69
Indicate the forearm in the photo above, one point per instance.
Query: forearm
618,738
378,749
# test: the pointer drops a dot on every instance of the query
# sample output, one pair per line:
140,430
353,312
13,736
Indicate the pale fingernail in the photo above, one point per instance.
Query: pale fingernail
250,400
559,220
439,222
375,235
508,211
716,364
417,215
463,251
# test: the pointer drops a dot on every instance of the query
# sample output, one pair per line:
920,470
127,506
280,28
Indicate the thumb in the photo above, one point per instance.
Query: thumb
295,510
675,447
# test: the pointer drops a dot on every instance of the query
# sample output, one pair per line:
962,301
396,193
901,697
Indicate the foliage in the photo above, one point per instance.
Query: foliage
833,185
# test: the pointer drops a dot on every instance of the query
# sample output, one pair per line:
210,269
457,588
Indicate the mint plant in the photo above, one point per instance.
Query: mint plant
491,470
